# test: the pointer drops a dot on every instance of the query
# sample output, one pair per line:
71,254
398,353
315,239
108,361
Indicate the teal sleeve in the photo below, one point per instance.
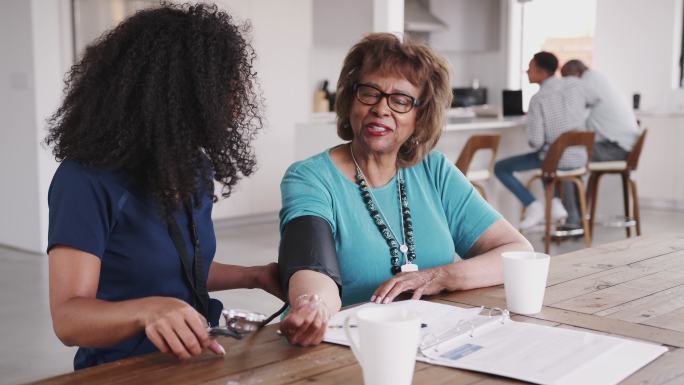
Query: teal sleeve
468,214
303,193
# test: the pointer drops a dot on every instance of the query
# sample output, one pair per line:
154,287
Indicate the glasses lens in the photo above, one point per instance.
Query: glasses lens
371,96
368,95
400,103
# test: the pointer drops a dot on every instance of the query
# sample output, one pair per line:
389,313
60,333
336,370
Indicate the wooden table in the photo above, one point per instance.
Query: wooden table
632,288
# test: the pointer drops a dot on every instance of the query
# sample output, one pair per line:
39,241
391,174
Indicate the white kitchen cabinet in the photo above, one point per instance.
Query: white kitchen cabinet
678,168
473,25
660,175
341,23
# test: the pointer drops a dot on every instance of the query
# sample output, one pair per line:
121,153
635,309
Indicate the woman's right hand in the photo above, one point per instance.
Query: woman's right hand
176,327
307,321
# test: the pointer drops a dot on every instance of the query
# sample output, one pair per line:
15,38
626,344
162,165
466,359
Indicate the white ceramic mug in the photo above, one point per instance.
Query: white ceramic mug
525,274
387,346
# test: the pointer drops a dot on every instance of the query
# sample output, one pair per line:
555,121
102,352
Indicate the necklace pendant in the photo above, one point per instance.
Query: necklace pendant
408,267
403,248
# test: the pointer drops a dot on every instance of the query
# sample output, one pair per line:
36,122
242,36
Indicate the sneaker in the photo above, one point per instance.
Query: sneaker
574,231
534,215
558,212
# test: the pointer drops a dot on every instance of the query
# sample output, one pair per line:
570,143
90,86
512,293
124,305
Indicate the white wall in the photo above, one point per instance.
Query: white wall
388,16
637,45
52,57
20,218
337,25
490,65
35,41
283,46
30,87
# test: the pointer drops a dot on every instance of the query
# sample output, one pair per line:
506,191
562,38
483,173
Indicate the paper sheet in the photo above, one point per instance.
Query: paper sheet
438,318
525,351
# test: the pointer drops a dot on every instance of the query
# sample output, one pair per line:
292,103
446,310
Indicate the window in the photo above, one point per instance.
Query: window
564,28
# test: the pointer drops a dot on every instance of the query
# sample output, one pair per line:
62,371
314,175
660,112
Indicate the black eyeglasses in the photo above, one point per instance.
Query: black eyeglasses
371,96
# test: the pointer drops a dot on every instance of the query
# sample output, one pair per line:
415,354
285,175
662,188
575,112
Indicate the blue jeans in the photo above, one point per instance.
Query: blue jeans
504,171
505,168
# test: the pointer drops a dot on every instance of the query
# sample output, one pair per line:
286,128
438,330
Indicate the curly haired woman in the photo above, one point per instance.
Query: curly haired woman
157,109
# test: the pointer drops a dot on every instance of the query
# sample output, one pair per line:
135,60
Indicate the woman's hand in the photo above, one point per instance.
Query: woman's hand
307,321
174,326
268,280
425,282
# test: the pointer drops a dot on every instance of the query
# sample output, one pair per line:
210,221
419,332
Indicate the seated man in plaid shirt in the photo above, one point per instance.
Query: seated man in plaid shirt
558,107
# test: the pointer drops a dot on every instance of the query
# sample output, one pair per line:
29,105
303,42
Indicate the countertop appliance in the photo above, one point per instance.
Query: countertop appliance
512,102
466,97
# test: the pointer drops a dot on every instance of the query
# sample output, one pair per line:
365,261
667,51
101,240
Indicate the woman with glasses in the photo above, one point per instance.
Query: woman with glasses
384,214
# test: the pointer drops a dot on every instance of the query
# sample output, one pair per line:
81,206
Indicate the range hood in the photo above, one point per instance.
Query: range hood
417,18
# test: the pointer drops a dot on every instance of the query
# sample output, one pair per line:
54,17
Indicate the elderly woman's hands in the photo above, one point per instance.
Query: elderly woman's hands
307,321
424,282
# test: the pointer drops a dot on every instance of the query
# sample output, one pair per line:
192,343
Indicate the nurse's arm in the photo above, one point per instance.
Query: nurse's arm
225,277
80,319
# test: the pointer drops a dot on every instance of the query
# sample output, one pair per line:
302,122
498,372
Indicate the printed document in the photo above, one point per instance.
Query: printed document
488,341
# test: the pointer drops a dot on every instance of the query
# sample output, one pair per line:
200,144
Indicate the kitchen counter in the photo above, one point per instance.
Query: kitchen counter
468,124
320,132
325,121
662,114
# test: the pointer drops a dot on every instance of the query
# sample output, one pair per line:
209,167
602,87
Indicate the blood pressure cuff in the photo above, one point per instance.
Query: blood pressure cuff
307,244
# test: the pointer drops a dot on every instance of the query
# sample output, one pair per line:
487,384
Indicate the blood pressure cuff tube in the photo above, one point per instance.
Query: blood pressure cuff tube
307,244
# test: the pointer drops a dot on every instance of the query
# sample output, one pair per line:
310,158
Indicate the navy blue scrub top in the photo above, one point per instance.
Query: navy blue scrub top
98,211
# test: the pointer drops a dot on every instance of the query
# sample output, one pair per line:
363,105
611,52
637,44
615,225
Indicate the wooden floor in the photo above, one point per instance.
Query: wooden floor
30,351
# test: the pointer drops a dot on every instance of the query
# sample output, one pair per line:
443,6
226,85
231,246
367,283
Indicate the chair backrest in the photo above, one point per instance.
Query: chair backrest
474,144
558,147
633,157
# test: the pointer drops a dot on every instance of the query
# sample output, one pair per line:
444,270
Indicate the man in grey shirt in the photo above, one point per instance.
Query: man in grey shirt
558,107
610,115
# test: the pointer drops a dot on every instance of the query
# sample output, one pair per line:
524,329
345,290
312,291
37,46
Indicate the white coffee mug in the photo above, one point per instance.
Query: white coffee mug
525,274
387,346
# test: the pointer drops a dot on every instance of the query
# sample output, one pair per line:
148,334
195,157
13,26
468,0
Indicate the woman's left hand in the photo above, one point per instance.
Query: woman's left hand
425,282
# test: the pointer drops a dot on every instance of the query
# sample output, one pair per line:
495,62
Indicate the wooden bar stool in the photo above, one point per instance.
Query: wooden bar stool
624,168
550,175
474,144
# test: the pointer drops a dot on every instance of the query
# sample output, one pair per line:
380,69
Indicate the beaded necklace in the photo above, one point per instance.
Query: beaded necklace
408,248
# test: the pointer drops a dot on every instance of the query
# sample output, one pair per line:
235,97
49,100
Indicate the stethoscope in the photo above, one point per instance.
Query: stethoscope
242,322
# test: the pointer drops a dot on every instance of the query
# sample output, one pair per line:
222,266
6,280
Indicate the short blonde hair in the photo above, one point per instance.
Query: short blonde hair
385,53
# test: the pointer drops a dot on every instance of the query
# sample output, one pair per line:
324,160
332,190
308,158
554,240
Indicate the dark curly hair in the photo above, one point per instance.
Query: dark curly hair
170,96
